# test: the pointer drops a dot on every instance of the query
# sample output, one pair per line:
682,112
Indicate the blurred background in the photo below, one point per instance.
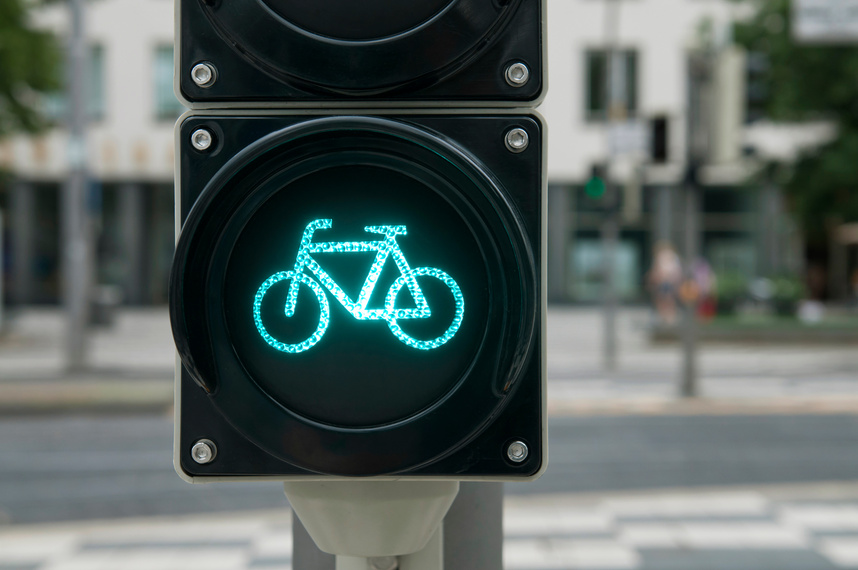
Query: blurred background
702,282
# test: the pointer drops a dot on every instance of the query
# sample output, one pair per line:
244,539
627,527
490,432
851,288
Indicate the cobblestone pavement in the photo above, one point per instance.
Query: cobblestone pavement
800,528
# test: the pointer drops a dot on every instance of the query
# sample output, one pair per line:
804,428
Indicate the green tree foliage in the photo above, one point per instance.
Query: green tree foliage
807,82
29,65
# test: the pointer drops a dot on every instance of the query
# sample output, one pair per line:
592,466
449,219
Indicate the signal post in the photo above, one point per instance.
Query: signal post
357,296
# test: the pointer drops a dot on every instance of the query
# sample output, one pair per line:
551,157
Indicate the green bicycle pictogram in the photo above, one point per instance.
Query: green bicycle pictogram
384,248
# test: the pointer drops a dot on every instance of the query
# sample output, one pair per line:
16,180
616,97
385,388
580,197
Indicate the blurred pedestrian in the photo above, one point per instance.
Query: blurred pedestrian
664,278
704,278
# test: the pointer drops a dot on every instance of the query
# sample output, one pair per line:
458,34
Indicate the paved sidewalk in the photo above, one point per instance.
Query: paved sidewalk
132,369
131,364
807,528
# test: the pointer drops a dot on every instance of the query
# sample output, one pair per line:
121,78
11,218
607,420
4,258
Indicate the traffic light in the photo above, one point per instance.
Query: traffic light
359,292
419,52
659,149
596,187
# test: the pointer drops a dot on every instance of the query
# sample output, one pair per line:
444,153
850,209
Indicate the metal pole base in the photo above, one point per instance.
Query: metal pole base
430,558
368,518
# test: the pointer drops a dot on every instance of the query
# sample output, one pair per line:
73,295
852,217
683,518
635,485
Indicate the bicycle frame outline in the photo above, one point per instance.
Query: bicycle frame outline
384,248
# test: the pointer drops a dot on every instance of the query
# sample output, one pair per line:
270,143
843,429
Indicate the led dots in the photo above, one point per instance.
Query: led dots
324,318
385,247
394,314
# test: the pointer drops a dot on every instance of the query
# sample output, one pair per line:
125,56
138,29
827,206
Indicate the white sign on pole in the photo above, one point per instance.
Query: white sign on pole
825,21
631,137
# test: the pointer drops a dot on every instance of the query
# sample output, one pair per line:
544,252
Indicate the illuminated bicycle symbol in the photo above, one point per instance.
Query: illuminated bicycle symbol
384,248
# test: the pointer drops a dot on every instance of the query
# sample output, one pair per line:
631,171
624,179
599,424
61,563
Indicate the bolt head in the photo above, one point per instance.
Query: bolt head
202,139
517,74
203,74
204,451
516,140
517,451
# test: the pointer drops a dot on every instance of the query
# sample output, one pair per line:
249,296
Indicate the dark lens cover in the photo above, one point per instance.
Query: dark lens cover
279,51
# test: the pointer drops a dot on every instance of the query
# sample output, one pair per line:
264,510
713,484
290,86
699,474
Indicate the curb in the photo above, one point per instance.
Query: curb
66,395
644,406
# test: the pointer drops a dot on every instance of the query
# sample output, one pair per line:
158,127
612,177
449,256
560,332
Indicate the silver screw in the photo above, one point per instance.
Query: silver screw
517,74
517,451
516,140
204,451
203,74
202,139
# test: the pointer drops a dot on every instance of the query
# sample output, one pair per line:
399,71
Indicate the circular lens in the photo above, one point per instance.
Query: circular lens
344,365
364,20
337,47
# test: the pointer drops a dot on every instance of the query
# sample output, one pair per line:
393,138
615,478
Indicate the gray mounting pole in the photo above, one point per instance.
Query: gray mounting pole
689,387
699,71
305,554
559,200
610,233
472,530
77,253
615,111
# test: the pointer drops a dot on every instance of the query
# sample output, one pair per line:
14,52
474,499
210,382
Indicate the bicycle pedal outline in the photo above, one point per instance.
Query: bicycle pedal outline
384,248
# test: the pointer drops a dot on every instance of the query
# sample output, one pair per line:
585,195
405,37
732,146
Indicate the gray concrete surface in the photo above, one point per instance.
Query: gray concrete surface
72,467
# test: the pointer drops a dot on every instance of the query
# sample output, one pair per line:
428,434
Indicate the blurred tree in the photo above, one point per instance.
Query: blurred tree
30,64
795,82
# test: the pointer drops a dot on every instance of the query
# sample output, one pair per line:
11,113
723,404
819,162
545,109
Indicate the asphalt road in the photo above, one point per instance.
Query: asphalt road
70,468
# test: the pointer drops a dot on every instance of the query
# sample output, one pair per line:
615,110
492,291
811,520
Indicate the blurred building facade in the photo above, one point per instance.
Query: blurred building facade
130,152
130,158
743,227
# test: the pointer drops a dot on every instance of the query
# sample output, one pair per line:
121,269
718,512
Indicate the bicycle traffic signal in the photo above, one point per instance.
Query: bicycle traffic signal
246,53
359,293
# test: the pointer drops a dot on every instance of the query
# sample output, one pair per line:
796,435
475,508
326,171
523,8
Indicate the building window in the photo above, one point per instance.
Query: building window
756,89
167,107
586,263
56,104
625,80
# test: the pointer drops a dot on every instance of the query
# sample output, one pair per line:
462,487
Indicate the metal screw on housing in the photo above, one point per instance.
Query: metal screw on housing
202,139
517,74
204,74
516,140
517,451
204,451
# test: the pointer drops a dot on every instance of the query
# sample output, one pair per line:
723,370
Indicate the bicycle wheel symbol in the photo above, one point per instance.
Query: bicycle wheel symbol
324,312
391,311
